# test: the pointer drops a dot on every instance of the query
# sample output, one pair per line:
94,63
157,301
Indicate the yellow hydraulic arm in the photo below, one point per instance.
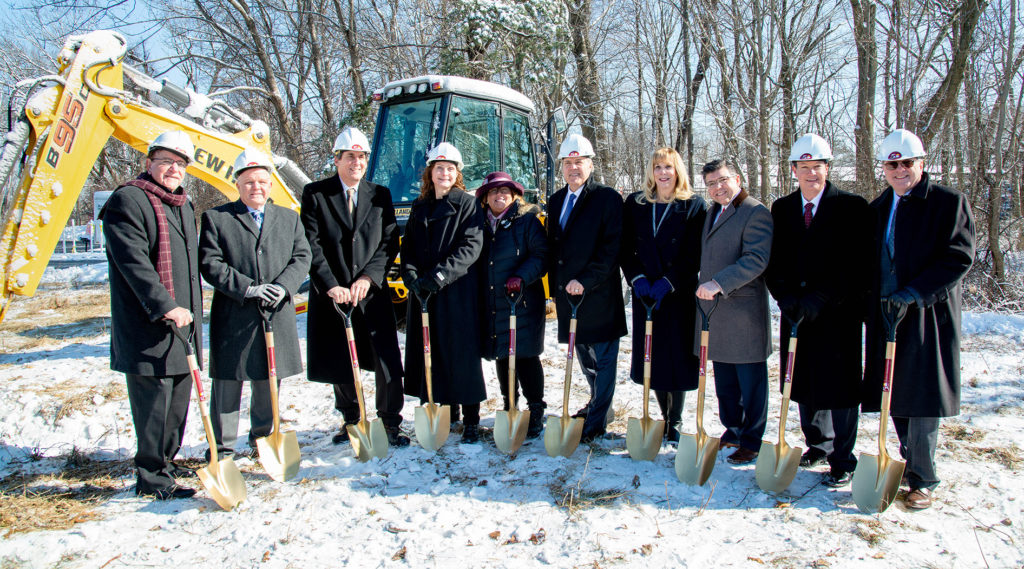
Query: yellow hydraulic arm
64,128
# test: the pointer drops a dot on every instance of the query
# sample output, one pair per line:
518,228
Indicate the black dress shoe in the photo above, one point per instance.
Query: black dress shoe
672,432
742,456
581,413
178,471
837,478
471,434
170,493
591,436
811,459
396,438
342,435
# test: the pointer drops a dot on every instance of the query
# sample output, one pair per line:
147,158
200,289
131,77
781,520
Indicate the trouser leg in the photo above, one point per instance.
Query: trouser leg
159,407
345,401
730,409
390,397
598,362
918,438
753,383
529,378
225,400
470,414
261,410
671,405
844,424
501,368
818,430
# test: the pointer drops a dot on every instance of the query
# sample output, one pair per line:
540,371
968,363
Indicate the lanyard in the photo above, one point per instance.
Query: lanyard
655,222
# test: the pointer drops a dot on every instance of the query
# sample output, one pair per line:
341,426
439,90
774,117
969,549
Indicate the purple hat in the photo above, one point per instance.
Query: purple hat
499,180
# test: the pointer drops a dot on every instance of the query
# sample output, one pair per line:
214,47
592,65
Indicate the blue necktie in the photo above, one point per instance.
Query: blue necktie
257,216
890,235
568,210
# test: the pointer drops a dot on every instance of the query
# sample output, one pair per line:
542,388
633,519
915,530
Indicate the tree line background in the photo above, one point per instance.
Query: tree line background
739,78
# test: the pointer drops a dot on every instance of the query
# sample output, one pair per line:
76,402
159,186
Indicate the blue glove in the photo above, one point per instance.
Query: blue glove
642,287
659,289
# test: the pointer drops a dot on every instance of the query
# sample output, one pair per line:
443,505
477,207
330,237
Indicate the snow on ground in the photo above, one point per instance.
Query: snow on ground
471,506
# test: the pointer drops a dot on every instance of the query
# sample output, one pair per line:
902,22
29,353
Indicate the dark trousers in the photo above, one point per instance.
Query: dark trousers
159,409
225,401
468,413
390,398
671,404
598,362
529,378
831,433
918,437
742,391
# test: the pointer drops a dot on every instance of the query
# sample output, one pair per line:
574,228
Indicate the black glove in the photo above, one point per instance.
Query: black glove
414,288
790,308
810,307
902,297
427,285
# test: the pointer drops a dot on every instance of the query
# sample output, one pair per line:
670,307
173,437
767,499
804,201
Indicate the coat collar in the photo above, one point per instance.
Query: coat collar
727,214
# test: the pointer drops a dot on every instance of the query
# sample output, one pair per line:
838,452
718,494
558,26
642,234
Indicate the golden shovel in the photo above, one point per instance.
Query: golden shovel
643,436
510,426
368,438
278,451
221,478
562,434
433,422
877,478
777,464
695,455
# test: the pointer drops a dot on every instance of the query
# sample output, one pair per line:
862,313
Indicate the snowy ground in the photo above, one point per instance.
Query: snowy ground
471,506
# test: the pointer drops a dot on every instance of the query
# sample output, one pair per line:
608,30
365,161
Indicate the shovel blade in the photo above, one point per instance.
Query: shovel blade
224,483
876,482
643,438
695,459
776,466
369,439
279,455
433,425
562,435
510,430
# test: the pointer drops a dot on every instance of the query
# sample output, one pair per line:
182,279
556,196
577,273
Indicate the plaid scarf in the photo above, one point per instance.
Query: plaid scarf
156,194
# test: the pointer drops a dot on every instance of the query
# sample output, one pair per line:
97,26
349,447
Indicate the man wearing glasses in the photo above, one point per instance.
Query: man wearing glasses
152,252
924,245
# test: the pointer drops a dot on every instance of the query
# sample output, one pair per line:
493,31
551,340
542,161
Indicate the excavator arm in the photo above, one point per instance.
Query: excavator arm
65,126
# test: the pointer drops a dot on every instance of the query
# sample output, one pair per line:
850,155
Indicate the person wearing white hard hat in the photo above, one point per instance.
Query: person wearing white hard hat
924,245
152,254
443,239
817,274
255,256
353,234
584,233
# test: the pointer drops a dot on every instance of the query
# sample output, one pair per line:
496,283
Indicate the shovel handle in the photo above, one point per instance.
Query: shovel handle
197,381
705,317
892,315
268,334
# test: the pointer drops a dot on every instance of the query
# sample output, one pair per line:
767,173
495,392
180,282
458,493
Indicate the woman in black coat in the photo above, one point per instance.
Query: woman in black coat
512,264
660,257
442,241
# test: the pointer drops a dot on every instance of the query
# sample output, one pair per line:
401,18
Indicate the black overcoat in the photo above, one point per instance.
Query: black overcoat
234,254
588,250
345,249
443,239
515,247
673,252
141,341
826,264
934,245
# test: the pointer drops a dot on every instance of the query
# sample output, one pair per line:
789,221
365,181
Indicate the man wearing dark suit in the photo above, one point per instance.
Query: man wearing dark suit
584,230
924,245
352,232
255,255
152,252
817,273
734,255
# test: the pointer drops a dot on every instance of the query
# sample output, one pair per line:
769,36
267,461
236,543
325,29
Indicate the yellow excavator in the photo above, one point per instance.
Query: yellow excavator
68,118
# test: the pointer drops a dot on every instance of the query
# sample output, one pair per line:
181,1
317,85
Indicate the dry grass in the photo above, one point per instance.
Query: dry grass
962,433
72,397
54,317
870,531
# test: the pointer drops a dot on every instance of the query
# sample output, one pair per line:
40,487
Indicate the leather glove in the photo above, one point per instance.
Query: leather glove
414,288
659,289
268,294
642,287
513,285
427,285
810,307
902,297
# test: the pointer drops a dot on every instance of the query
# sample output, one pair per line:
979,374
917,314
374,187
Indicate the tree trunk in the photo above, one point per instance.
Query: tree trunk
867,76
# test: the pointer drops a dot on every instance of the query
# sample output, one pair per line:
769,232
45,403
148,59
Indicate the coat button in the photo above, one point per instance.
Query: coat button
561,262
803,284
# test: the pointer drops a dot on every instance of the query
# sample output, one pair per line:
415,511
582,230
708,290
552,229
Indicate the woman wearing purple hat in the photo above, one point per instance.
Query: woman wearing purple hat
512,264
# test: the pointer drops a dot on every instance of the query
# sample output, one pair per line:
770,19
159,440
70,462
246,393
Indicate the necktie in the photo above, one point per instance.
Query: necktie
568,210
257,216
350,198
808,214
890,235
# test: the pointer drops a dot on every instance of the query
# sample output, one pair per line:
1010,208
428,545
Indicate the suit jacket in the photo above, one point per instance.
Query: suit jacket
141,341
588,250
344,248
234,254
735,253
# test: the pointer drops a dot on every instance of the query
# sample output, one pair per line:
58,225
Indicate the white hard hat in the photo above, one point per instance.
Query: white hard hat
575,145
252,158
446,152
810,147
900,144
176,141
352,139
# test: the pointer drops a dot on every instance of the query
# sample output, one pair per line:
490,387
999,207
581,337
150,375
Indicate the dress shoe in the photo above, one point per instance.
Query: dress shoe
811,459
591,436
724,444
672,432
581,413
536,425
396,438
471,434
918,499
742,456
172,492
178,471
342,435
837,478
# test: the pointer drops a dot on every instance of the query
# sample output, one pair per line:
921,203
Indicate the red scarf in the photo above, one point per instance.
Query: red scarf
156,194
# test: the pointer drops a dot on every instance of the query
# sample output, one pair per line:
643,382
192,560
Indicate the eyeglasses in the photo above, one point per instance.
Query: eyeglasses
718,182
501,190
908,164
181,164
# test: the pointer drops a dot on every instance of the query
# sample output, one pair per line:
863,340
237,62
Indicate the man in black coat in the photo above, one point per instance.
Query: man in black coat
924,241
584,226
152,252
255,256
820,251
351,228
